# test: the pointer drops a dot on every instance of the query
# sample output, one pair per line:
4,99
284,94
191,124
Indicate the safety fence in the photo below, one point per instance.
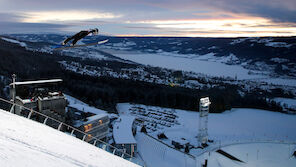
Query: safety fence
63,127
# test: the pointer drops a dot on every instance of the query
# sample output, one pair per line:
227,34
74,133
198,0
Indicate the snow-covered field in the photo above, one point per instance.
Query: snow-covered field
206,64
239,125
27,143
290,103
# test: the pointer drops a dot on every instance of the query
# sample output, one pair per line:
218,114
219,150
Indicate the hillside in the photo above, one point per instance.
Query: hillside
120,71
27,143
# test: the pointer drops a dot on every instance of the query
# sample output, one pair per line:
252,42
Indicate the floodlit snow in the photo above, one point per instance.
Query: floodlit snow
22,44
27,143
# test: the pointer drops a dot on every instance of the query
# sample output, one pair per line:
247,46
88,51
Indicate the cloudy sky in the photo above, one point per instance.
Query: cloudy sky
204,18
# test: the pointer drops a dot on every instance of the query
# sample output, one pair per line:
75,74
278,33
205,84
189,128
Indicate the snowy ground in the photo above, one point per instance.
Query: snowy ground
255,154
196,63
206,64
240,125
286,103
27,143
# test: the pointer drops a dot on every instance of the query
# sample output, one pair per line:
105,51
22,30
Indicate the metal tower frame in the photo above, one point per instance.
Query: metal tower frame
204,105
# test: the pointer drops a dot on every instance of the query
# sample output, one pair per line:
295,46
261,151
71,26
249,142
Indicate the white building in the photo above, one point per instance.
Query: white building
123,134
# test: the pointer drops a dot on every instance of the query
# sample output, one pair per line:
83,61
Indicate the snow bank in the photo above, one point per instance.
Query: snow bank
22,44
27,143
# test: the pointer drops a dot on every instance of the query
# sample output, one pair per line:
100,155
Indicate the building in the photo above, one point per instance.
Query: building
41,96
124,130
95,126
88,119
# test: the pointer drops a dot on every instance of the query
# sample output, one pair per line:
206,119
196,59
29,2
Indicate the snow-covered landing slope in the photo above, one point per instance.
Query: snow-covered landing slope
255,154
27,143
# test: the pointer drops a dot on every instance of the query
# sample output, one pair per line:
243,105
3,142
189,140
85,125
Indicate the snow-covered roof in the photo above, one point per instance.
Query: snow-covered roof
79,105
122,130
95,117
37,82
78,123
85,108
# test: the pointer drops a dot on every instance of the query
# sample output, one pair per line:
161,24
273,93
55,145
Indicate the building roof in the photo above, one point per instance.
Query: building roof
37,82
95,117
122,130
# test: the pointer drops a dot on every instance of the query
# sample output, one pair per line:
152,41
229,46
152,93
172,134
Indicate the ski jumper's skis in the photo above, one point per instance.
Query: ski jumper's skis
61,47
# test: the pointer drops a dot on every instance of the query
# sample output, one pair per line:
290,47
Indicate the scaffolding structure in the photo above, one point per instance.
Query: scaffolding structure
204,105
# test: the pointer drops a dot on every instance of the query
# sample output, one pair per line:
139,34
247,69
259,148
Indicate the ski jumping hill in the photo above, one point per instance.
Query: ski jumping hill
27,143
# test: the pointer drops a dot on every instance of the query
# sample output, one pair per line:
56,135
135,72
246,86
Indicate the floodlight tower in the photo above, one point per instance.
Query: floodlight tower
204,105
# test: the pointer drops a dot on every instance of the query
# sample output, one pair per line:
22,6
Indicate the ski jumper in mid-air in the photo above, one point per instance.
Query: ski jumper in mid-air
80,35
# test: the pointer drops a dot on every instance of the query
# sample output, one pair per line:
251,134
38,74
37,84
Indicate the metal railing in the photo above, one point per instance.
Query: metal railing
63,127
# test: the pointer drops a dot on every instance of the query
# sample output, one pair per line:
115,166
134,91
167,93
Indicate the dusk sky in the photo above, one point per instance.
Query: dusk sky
192,18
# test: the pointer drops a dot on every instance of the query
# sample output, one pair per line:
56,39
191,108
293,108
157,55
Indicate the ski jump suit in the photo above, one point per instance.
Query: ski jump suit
79,36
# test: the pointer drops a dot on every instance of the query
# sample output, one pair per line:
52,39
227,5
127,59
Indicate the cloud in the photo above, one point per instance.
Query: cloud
251,26
277,17
15,27
276,10
10,17
61,16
